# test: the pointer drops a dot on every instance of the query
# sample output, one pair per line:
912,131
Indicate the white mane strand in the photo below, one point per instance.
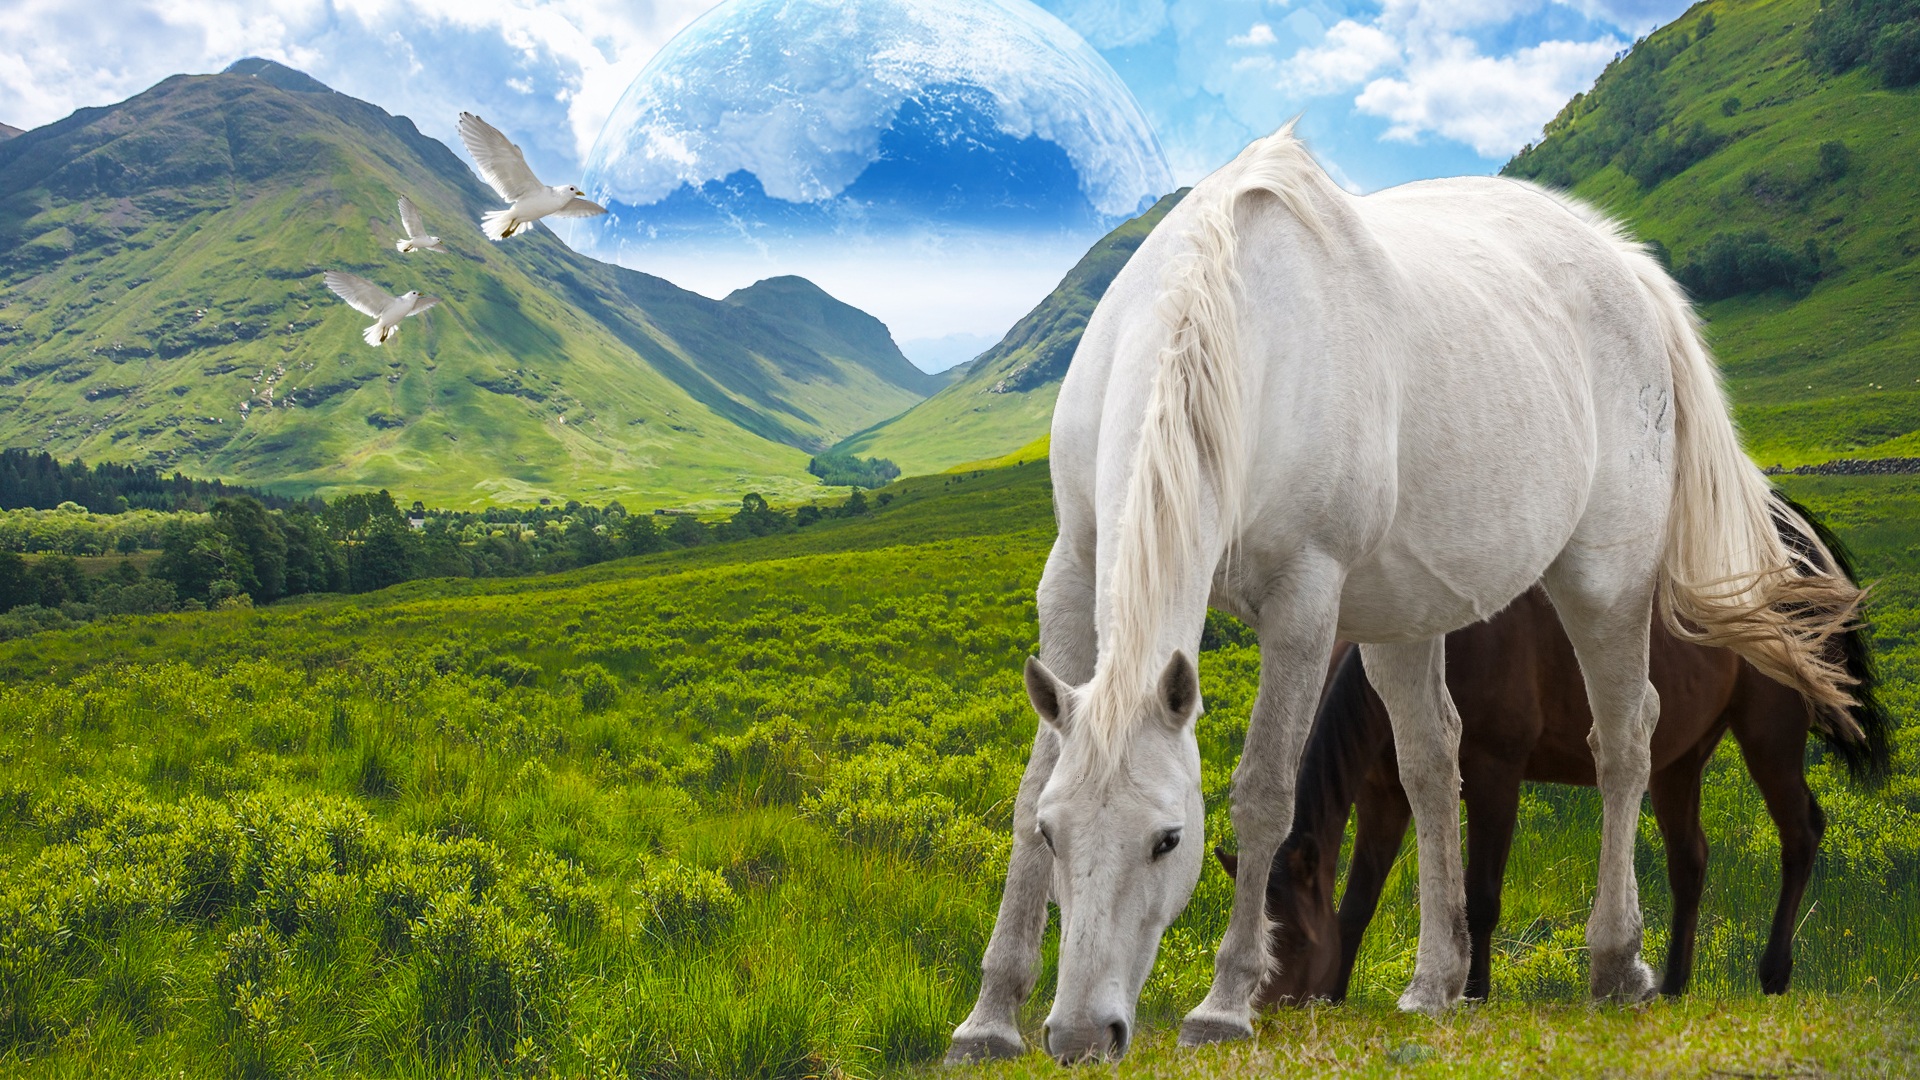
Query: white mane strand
1192,439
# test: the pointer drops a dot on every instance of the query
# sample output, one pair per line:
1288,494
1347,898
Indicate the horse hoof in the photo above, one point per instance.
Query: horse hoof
984,1044
1628,980
1428,998
1202,1029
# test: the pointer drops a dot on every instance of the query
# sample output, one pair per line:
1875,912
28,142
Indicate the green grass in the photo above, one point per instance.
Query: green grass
741,811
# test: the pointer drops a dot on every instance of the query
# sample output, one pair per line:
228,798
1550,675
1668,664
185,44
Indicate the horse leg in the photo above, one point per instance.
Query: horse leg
1296,635
1012,962
1492,793
1676,806
1605,608
1380,826
1773,742
1412,680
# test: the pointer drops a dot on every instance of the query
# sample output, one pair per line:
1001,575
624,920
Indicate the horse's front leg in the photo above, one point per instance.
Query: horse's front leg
1296,634
1012,961
1412,680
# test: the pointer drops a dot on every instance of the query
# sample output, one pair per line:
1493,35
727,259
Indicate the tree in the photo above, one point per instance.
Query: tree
14,585
56,580
856,504
687,531
261,569
640,535
194,555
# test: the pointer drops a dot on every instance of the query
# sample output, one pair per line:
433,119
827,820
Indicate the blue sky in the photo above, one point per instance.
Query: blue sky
1388,91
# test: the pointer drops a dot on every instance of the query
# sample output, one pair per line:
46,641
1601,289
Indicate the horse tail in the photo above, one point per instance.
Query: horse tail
1192,437
1866,752
1735,573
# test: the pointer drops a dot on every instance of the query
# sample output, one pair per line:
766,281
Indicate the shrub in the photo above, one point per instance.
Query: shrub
484,978
550,887
1896,54
598,688
676,900
1732,264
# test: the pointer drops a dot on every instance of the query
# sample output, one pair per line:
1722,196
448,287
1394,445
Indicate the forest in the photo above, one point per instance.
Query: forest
741,810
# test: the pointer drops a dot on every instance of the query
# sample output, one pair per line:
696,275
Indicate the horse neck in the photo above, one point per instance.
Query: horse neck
1349,731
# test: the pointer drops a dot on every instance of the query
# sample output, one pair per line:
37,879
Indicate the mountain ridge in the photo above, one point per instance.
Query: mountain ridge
1003,400
152,249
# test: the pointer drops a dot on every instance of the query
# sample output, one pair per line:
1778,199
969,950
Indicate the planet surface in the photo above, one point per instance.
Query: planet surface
935,161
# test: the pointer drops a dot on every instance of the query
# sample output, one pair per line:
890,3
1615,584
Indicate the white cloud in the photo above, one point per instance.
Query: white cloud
1112,24
1348,56
1258,37
560,66
1493,104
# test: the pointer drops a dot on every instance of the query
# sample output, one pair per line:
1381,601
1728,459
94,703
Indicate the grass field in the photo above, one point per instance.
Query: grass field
741,811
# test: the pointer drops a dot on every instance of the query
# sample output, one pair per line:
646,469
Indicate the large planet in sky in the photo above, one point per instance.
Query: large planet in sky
939,162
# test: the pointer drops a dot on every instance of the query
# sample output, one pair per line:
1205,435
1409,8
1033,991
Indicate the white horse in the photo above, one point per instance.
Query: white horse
1377,419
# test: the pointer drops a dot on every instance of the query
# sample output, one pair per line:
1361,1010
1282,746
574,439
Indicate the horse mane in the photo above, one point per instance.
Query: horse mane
1341,749
1192,438
1868,756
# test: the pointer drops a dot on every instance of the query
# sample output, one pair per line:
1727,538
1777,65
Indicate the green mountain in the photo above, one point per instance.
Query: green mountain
161,303
807,314
1004,400
1782,190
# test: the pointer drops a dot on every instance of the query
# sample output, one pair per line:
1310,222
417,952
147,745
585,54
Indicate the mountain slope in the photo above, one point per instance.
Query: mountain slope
160,302
1005,399
1701,141
807,314
8,131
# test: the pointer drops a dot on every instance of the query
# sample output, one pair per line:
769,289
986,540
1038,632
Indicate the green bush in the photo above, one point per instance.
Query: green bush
597,686
676,900
1896,54
484,980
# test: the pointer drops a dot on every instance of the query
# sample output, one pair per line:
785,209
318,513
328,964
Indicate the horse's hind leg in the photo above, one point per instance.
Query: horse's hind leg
1412,680
1676,806
1772,734
1604,595
1012,961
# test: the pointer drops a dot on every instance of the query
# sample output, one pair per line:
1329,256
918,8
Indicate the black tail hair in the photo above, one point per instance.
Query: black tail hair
1347,737
1868,758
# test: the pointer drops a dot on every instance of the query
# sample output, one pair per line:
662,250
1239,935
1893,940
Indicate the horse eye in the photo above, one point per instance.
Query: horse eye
1168,841
1046,834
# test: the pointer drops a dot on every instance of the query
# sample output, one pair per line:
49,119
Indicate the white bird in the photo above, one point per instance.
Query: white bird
504,168
369,299
416,238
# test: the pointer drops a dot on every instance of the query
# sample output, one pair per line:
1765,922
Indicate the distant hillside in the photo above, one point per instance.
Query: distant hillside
8,131
1782,189
1005,398
804,312
161,303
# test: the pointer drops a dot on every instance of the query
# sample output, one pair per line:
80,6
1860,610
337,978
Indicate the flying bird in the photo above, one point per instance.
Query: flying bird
369,299
416,238
504,168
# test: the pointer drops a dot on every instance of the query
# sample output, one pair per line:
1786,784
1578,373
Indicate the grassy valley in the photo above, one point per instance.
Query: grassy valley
160,303
741,811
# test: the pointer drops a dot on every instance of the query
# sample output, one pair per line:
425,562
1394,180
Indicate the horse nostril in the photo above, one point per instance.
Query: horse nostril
1046,1038
1117,1033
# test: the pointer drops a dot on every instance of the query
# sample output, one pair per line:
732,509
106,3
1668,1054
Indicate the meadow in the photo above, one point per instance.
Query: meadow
741,810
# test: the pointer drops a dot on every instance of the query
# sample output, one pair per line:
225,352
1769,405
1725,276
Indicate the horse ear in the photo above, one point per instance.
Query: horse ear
1228,861
1047,693
1180,688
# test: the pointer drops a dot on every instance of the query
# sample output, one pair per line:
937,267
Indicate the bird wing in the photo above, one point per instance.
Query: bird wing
579,208
422,303
501,163
360,294
410,219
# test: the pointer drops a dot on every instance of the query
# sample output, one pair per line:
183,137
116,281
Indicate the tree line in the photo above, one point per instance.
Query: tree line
242,552
36,480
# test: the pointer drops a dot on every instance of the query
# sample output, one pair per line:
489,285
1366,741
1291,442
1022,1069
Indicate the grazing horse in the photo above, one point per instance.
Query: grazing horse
1376,419
1524,717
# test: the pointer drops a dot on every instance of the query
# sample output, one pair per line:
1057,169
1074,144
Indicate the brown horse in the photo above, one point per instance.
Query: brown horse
1524,716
